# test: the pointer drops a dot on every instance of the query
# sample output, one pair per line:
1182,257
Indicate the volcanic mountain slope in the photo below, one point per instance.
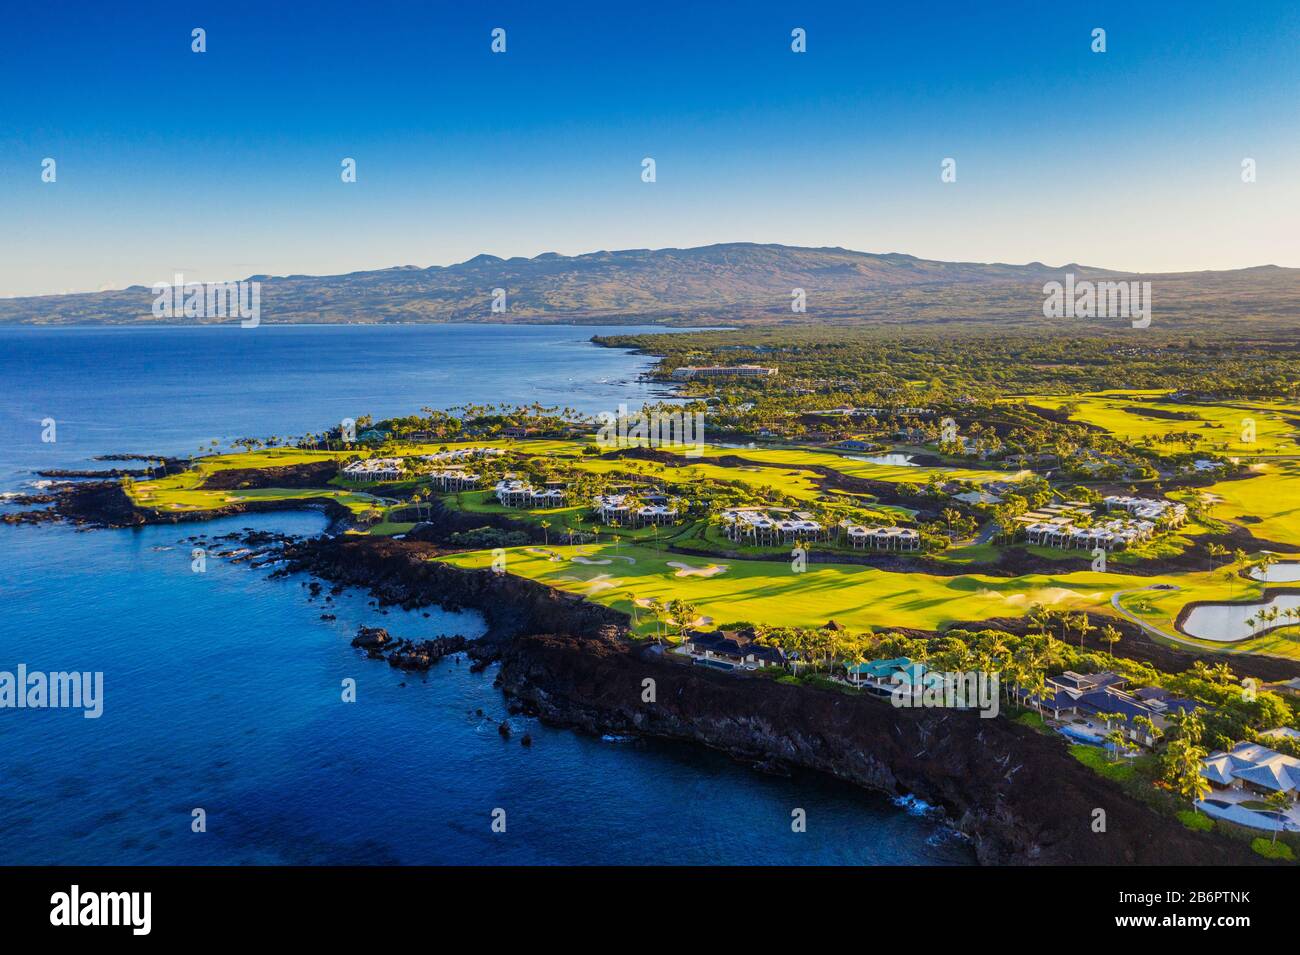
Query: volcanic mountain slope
731,283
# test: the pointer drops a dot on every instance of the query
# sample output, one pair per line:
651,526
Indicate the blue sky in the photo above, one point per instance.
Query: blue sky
226,163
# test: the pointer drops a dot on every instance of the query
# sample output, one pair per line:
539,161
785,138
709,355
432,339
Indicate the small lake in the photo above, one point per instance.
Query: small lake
1284,573
892,459
1226,623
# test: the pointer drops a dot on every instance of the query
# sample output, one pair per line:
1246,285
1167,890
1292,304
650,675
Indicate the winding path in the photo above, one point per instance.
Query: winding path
1149,628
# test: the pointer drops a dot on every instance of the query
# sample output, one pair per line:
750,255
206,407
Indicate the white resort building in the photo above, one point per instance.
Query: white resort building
511,492
374,469
1108,535
723,371
1149,509
463,454
1058,525
882,538
756,527
616,509
454,479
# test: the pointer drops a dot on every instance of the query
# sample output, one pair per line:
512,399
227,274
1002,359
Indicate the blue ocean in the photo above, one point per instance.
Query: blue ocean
222,690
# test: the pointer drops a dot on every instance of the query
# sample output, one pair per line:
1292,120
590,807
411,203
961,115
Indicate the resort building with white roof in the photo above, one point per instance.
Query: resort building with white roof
882,538
511,492
619,509
1170,512
755,526
454,479
374,469
1070,526
463,454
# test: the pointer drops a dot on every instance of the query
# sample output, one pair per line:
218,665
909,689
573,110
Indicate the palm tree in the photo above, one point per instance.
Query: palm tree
1110,636
1182,770
1083,624
1282,803
1215,551
546,538
1116,736
1239,558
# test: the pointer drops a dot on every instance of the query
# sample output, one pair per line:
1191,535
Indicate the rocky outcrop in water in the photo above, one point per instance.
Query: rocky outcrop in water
400,573
406,655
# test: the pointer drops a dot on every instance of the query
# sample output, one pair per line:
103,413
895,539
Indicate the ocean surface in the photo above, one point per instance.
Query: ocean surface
223,690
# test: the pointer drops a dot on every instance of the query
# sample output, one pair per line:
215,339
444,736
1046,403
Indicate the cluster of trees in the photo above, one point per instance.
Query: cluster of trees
846,364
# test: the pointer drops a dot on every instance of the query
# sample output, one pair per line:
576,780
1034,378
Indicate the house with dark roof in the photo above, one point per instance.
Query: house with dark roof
1254,768
1073,682
1092,694
729,649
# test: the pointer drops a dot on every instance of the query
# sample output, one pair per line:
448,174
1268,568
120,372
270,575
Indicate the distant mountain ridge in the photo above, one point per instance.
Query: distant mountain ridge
732,282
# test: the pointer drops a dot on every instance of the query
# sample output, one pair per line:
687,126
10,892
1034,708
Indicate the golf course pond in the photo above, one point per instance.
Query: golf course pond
1227,623
1283,573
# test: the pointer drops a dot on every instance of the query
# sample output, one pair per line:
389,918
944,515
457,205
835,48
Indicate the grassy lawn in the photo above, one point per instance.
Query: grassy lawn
770,592
1268,504
844,462
1218,426
1099,761
1195,820
182,492
1161,608
792,482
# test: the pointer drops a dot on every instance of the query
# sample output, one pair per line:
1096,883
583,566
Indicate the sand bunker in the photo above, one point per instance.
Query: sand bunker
686,570
601,560
595,584
1048,596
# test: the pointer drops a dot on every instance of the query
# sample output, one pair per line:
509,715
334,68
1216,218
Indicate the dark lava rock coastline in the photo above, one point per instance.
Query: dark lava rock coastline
1017,794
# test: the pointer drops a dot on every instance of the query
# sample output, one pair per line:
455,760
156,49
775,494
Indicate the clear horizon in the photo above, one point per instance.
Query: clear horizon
226,163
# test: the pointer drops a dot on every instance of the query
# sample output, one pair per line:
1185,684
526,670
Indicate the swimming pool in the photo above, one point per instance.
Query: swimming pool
1081,737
